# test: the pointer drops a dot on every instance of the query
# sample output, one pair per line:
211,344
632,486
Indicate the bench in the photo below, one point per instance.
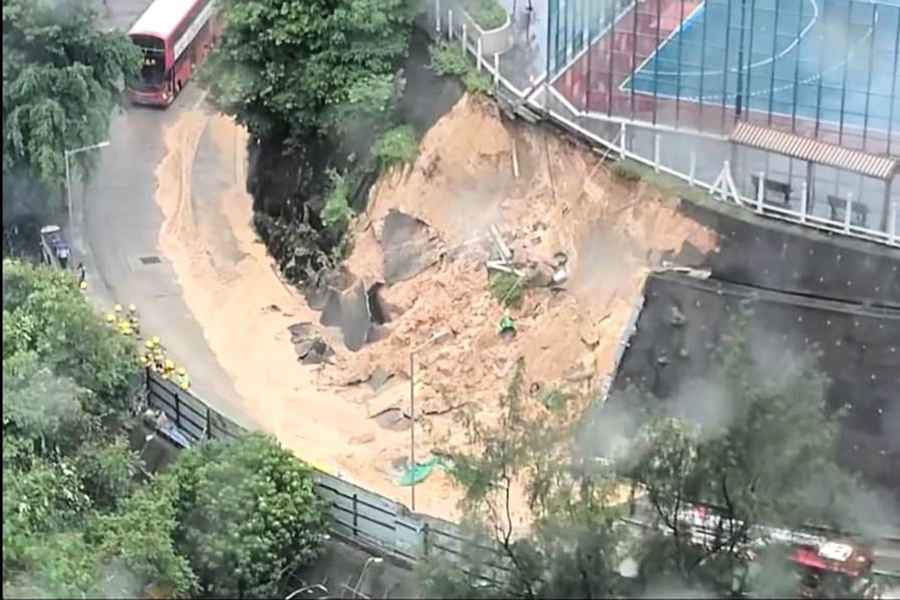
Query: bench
859,213
781,191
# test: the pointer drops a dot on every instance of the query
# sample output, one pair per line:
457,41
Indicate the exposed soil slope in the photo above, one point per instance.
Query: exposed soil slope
563,200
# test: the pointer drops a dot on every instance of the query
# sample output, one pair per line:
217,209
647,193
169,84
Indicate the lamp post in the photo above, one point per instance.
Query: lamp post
67,154
436,338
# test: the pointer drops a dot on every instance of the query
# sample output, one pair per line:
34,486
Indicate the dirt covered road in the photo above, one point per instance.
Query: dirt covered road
545,195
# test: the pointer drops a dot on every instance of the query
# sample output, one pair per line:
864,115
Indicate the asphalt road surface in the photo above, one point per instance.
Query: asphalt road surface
117,225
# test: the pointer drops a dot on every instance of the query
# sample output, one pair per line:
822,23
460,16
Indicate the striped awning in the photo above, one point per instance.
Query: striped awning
878,166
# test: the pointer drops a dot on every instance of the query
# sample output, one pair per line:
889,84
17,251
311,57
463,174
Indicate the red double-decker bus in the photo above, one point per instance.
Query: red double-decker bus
175,37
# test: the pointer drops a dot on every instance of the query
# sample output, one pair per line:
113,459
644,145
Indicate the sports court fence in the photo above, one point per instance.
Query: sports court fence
623,75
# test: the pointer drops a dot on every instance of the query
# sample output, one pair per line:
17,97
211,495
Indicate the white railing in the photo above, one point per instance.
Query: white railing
454,28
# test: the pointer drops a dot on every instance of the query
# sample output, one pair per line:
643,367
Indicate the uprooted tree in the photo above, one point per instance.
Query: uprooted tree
757,445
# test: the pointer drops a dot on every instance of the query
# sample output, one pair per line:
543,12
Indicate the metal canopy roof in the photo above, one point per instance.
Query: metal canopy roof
878,166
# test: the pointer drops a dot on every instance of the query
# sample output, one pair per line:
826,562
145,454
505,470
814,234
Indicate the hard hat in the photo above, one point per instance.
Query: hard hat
83,285
110,318
184,384
149,344
181,371
155,340
117,308
170,365
132,308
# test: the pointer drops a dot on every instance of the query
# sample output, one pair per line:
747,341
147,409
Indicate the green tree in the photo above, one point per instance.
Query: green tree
44,313
572,547
286,66
63,75
756,443
74,522
248,516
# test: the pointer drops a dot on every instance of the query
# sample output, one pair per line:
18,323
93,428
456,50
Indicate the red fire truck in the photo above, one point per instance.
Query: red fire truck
835,569
175,37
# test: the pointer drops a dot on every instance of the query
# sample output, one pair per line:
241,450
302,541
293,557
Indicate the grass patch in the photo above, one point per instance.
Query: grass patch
337,211
631,171
478,83
397,145
448,59
507,288
489,14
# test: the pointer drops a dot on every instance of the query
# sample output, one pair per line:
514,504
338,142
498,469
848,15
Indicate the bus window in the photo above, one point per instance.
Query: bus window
153,62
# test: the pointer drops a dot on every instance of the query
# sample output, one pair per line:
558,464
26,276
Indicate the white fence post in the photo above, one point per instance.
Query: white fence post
437,16
693,173
893,224
450,24
463,40
804,202
622,142
478,50
848,211
656,143
760,191
496,68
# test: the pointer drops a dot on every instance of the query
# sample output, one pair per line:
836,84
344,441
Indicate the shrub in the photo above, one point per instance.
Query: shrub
489,14
248,516
448,59
336,212
478,83
397,145
507,289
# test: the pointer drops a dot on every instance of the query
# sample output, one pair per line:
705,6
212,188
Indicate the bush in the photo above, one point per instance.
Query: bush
489,14
448,59
507,288
397,145
336,212
248,516
478,83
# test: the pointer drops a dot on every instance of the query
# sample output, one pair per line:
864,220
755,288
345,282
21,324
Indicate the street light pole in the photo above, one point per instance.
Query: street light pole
67,154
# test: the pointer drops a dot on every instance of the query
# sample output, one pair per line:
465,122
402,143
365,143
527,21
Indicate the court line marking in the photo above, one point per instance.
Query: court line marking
624,86
797,40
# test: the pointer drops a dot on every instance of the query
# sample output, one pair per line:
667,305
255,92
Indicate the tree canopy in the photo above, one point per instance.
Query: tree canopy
287,66
63,76
756,445
81,517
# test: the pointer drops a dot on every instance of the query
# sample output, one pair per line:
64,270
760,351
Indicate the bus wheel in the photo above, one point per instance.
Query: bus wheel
178,87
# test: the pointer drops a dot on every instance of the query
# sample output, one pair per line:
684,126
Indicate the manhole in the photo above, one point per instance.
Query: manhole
150,260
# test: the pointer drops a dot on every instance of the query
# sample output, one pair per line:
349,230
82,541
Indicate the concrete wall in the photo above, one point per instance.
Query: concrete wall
860,352
493,41
764,253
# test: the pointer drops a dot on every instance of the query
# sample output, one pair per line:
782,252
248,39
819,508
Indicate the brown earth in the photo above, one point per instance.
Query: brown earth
463,181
